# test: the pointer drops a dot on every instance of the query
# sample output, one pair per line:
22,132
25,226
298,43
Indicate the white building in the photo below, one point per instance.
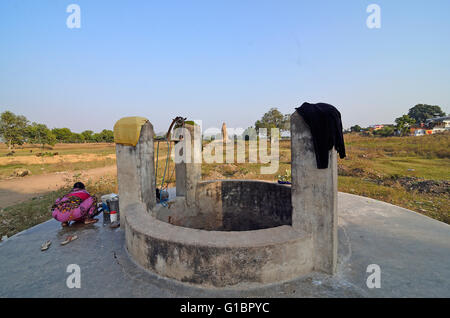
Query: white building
419,132
439,124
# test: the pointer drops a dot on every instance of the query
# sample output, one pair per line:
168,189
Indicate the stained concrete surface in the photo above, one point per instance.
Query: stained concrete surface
412,250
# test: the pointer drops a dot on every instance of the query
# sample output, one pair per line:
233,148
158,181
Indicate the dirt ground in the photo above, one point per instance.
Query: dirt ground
29,160
18,190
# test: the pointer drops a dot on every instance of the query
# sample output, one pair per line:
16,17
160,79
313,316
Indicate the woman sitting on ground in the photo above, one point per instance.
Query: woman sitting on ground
78,206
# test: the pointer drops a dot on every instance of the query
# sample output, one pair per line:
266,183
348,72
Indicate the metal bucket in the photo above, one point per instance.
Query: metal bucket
106,206
113,205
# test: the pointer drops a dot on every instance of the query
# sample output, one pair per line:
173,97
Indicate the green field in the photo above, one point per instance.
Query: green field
412,172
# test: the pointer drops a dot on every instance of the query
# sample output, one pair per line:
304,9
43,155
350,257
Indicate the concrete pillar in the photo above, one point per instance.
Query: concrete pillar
314,196
224,133
136,171
189,173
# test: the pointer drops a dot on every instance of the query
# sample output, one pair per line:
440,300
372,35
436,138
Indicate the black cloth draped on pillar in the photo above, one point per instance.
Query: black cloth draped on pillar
325,123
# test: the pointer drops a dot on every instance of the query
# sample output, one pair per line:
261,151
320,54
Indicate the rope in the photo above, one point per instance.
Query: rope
166,166
170,177
156,170
167,162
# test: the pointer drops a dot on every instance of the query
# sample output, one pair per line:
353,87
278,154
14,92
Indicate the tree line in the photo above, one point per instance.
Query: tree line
416,115
17,130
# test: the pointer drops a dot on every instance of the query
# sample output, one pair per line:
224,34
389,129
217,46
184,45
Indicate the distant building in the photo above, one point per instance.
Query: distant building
422,132
418,131
438,124
376,127
431,126
443,121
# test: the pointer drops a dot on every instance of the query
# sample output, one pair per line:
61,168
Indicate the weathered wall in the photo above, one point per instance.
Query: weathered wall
136,172
233,205
217,259
250,205
314,196
189,173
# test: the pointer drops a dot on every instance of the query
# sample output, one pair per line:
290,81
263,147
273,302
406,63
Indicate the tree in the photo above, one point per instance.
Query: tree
76,138
15,130
422,112
404,123
355,128
40,134
88,135
12,128
273,119
386,131
106,136
62,134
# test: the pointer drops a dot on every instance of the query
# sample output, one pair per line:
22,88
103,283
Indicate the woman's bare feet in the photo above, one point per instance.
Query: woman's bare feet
90,221
64,224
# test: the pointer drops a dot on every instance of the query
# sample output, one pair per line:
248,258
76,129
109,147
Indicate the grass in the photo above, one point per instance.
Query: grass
37,169
432,205
62,149
435,169
21,216
374,167
70,157
430,146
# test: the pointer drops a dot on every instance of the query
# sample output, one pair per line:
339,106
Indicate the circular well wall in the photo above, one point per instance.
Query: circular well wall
233,205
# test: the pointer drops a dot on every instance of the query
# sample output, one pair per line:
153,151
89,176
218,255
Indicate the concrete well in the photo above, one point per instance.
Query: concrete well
229,232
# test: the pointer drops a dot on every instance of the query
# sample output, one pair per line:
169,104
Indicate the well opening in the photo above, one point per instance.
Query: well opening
232,205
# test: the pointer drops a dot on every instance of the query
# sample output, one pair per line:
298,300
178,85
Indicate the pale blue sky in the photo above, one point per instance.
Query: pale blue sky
220,60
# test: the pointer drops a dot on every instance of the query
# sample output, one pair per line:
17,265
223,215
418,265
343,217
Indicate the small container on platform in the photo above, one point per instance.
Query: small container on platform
106,206
114,209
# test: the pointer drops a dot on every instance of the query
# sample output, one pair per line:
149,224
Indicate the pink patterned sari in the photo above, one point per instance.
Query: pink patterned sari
77,205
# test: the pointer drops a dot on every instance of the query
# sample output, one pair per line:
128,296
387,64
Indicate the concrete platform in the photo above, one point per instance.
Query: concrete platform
412,250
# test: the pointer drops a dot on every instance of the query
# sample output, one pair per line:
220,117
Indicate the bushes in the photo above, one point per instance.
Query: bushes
386,131
64,135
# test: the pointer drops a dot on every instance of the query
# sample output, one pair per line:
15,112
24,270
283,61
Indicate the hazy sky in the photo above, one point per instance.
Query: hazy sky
220,60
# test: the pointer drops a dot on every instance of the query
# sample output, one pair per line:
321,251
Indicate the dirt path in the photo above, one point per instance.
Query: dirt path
21,189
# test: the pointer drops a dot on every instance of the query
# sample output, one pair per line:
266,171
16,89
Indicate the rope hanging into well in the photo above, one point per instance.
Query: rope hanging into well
180,121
